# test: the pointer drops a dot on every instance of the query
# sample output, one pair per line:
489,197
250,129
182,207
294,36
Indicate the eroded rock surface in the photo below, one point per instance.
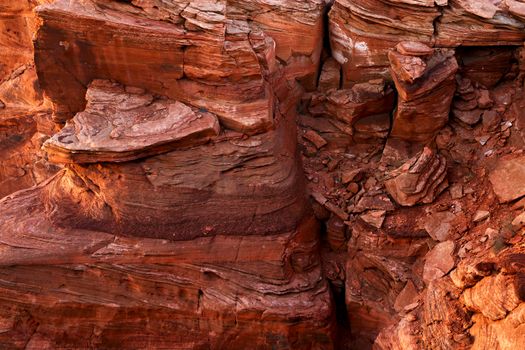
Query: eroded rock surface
238,174
419,180
121,124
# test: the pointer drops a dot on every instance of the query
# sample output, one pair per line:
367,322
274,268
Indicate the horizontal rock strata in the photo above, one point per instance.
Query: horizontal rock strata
114,292
425,84
419,180
124,124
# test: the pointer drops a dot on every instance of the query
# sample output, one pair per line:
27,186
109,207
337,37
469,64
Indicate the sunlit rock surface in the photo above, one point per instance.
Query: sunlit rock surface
212,174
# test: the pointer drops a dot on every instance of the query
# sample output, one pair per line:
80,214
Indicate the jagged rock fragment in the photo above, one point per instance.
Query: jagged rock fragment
508,179
439,261
420,180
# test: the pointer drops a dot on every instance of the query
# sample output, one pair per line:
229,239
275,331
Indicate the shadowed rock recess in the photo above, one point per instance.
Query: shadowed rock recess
261,174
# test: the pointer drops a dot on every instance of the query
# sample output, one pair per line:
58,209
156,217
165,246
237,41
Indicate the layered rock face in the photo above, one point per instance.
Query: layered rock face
24,118
262,174
169,226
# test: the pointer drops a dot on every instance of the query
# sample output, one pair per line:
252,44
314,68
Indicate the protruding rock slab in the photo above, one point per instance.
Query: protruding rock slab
122,124
198,58
508,179
481,23
230,185
420,180
426,86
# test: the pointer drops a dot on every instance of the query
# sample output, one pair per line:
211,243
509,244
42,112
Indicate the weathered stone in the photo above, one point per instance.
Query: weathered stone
120,125
438,225
480,215
419,180
315,138
374,217
426,87
508,179
439,261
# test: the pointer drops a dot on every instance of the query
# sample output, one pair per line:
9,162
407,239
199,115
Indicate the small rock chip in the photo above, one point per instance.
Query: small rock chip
480,215
336,210
438,225
353,187
412,306
490,120
508,179
374,218
319,198
519,221
351,175
484,100
491,233
406,296
315,138
456,191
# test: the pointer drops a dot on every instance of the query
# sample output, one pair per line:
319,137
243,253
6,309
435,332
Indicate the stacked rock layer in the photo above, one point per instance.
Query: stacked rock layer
227,174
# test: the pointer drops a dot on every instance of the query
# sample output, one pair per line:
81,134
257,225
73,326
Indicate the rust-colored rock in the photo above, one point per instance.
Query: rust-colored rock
480,23
508,179
155,293
426,86
122,124
362,32
199,139
349,106
419,180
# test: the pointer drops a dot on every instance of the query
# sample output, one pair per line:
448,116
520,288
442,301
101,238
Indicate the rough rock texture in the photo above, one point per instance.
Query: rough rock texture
489,23
362,32
115,292
23,164
426,85
508,179
419,180
204,53
121,124
24,118
238,174
168,227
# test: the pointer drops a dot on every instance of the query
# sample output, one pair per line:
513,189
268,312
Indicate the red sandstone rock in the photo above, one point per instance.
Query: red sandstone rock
439,261
22,164
419,180
362,32
213,245
508,179
156,293
24,119
479,23
330,77
203,55
123,124
348,106
426,88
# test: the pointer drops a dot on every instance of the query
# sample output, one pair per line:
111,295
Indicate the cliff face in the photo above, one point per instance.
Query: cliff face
262,174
